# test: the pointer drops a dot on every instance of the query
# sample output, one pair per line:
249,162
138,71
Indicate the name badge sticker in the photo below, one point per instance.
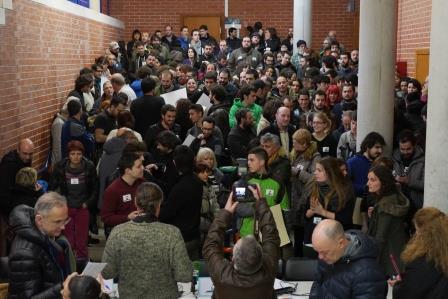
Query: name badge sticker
316,220
269,192
127,197
74,181
326,149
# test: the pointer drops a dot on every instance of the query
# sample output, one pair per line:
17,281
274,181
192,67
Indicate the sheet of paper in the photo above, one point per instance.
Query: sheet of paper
280,223
188,140
93,269
174,96
204,100
205,286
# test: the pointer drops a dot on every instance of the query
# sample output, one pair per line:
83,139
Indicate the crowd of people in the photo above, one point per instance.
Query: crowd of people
165,179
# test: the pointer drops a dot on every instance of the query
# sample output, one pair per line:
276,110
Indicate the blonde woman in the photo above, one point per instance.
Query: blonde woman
326,143
425,258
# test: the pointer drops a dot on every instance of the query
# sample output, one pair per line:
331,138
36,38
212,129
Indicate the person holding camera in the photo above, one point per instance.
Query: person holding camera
251,273
270,189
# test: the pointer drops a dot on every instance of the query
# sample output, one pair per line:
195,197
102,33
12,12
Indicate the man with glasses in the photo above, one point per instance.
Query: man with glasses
39,261
10,164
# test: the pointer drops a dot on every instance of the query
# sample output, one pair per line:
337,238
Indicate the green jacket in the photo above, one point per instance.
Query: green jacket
274,194
237,105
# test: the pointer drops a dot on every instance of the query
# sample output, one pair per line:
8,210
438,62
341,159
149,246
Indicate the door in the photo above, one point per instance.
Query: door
213,23
421,64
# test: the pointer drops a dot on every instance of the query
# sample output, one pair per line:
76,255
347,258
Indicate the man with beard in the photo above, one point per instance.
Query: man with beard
233,42
409,168
224,81
301,46
170,39
354,60
245,55
359,165
167,122
161,49
208,56
139,59
348,102
242,134
344,66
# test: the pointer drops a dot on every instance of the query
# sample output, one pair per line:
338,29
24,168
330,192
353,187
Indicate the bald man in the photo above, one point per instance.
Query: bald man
347,264
282,128
10,164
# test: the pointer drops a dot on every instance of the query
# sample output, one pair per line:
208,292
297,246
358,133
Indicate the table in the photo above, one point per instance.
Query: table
302,290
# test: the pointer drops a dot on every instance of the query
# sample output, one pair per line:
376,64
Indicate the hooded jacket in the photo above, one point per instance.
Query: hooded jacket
34,270
415,172
355,275
386,226
237,105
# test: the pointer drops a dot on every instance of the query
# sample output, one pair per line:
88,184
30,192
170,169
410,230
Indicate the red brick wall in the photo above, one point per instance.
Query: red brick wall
42,50
414,26
333,15
151,15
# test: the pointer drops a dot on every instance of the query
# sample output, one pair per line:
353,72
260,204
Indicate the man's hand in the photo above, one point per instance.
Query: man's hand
84,205
150,167
132,215
393,282
231,205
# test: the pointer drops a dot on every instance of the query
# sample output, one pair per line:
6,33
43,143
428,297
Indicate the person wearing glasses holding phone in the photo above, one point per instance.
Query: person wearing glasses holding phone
40,259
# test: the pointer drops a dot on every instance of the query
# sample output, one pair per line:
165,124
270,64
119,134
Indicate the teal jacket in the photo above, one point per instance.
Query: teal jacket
237,105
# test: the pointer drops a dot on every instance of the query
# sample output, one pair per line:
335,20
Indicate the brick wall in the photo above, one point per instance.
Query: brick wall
413,30
333,15
151,15
42,50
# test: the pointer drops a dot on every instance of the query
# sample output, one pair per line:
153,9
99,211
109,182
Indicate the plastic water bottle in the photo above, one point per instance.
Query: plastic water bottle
196,270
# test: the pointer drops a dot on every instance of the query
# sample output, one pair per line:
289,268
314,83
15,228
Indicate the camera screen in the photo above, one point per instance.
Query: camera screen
240,191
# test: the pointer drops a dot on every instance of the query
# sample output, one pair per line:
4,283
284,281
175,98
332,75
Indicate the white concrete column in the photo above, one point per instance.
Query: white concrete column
436,178
302,19
377,51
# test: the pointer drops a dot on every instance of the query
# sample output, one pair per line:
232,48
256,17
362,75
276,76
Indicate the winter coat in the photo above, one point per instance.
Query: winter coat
355,275
421,280
21,195
239,141
33,260
386,226
415,173
9,166
58,182
298,183
240,56
232,283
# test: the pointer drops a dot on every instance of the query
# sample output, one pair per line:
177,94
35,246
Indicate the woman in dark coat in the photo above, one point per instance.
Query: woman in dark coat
426,259
26,191
75,178
387,217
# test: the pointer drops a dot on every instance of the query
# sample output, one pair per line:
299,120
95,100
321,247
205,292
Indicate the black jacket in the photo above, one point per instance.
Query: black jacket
182,208
355,275
421,280
239,141
9,166
153,132
58,182
24,196
146,111
273,129
34,272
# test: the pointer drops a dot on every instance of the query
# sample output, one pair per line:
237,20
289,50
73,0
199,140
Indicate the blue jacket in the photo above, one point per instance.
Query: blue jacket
358,168
356,275
73,129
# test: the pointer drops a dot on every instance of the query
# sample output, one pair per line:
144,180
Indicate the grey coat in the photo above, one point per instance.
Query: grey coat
415,173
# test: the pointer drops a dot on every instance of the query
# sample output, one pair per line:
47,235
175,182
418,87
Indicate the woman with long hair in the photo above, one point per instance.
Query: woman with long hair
426,258
192,59
326,143
303,157
136,36
328,196
387,217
